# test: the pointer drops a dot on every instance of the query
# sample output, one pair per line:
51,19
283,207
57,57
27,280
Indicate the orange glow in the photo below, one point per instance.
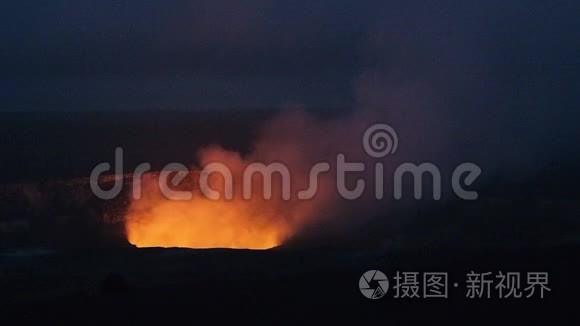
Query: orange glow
202,223
155,221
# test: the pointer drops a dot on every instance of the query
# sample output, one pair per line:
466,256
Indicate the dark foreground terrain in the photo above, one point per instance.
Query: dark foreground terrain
279,285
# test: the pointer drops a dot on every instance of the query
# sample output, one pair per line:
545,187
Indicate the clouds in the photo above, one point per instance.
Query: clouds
192,54
264,53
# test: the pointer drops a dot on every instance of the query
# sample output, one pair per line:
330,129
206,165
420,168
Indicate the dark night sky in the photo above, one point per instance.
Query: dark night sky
188,55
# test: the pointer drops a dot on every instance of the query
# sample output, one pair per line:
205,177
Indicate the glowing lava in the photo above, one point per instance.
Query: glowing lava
294,138
202,223
155,221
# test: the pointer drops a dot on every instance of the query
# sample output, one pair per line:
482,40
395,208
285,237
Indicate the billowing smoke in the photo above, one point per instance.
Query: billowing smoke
453,87
294,139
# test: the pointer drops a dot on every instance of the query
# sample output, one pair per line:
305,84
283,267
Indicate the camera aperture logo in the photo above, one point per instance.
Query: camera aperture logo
373,284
